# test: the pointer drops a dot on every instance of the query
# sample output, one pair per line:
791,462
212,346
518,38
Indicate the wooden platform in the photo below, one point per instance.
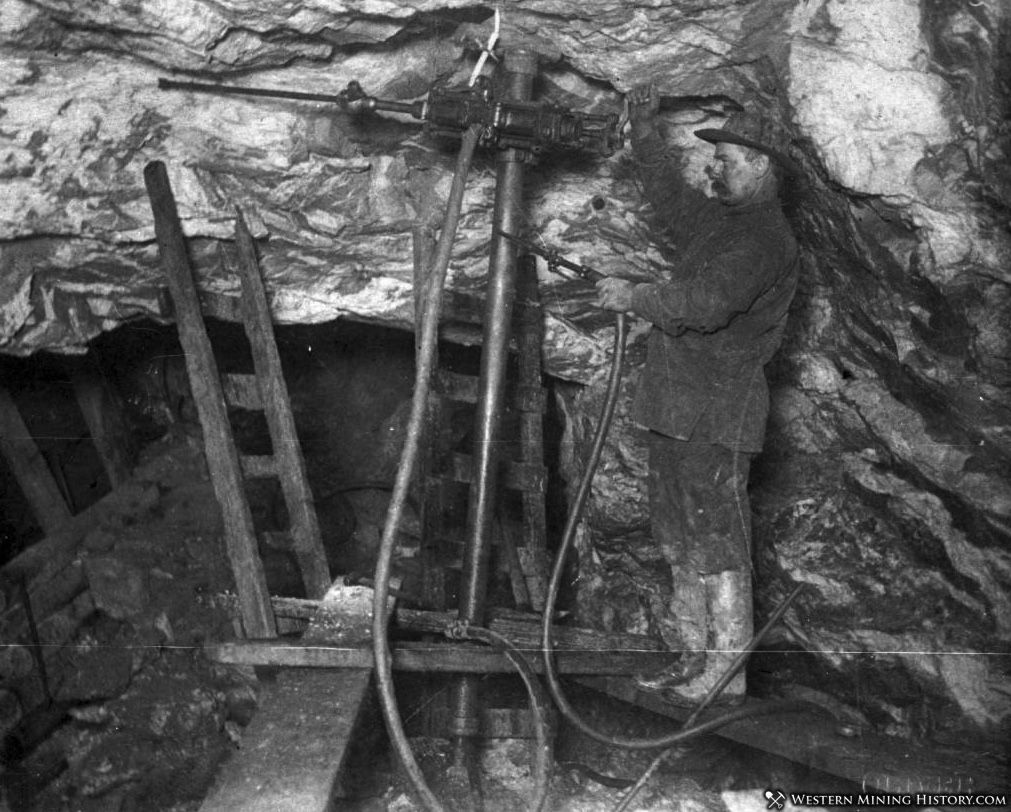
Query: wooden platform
295,747
875,763
293,751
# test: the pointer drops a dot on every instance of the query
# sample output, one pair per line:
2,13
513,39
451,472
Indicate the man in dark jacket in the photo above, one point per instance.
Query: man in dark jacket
717,320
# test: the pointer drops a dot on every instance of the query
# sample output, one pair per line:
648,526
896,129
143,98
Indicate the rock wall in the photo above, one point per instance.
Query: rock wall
885,484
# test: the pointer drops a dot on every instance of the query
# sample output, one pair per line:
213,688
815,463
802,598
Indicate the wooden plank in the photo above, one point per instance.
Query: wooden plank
530,399
296,745
29,468
431,509
306,535
519,476
431,517
579,651
456,386
447,658
220,306
242,391
103,414
205,382
873,762
504,536
532,553
462,388
255,466
527,634
521,629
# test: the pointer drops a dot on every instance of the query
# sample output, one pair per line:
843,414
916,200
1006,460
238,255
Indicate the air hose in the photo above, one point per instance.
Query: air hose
412,442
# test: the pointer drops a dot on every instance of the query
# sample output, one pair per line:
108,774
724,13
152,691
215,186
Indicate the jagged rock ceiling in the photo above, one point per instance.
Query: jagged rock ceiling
885,485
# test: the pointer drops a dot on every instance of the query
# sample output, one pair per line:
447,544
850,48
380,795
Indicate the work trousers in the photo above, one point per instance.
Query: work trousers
698,498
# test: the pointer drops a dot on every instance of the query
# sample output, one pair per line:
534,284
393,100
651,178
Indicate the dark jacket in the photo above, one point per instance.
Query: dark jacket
719,317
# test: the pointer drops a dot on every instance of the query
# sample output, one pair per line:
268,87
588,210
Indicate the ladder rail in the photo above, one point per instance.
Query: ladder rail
208,395
290,464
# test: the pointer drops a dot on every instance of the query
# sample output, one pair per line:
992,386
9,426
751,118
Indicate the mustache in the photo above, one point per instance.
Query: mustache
715,181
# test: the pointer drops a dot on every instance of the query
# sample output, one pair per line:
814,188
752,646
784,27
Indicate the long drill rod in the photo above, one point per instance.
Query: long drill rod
344,98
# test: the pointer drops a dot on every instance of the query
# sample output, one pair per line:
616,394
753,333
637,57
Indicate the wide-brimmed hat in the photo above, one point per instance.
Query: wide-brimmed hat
754,130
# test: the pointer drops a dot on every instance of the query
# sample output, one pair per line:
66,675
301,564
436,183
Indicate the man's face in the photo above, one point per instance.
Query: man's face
735,179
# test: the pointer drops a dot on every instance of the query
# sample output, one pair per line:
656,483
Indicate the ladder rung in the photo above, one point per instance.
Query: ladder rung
529,399
464,388
519,476
260,465
220,306
458,387
277,539
242,391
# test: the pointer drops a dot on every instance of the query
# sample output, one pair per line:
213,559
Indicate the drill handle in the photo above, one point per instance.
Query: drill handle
554,259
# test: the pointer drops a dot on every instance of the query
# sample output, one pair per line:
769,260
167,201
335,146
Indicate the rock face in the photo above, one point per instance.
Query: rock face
885,483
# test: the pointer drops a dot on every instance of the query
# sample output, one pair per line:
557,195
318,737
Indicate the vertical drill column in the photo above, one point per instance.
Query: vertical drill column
520,67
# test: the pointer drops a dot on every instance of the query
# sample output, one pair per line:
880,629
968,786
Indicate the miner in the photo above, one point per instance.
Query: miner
718,316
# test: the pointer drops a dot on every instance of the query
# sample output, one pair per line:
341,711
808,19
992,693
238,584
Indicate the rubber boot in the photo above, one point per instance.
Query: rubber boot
731,623
687,617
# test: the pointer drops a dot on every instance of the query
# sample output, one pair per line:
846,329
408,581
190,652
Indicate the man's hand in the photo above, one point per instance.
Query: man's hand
643,104
615,294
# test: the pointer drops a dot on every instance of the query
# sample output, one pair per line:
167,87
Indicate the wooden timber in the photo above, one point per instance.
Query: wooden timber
578,651
296,745
456,658
532,554
29,468
293,750
103,414
527,633
519,476
521,541
205,382
521,629
287,452
433,575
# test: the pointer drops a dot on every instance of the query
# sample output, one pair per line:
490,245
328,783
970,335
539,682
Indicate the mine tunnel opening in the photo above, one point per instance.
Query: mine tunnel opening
350,383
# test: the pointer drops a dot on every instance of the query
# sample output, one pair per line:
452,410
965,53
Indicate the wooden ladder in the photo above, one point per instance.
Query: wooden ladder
266,391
